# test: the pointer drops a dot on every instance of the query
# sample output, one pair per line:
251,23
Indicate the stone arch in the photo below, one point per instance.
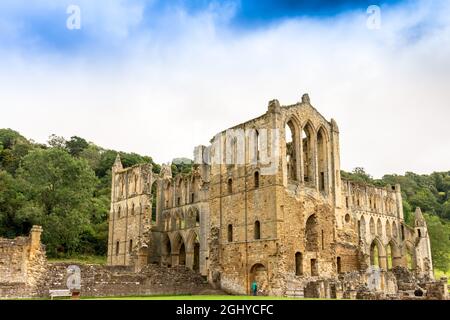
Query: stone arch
393,255
194,188
362,228
167,195
180,219
307,141
166,250
178,249
312,233
256,179
372,226
167,221
379,227
322,158
388,229
257,230
257,146
258,273
192,218
193,251
394,230
173,221
377,253
292,151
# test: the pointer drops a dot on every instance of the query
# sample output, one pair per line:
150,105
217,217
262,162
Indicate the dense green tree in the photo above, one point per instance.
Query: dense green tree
60,190
11,201
426,200
14,147
76,145
55,141
440,241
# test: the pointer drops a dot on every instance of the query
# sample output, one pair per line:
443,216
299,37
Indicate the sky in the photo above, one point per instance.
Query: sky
160,77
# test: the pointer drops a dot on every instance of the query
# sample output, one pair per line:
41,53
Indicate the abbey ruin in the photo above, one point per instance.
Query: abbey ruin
265,202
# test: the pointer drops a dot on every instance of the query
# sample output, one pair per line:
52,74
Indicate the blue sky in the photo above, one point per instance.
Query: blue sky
159,77
40,23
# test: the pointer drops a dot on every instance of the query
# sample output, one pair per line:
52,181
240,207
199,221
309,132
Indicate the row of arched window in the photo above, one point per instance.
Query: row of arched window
256,231
374,202
132,210
133,185
376,229
235,145
255,182
179,220
184,192
307,150
130,246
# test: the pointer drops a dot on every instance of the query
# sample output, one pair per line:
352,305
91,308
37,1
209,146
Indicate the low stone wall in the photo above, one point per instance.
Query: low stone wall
99,281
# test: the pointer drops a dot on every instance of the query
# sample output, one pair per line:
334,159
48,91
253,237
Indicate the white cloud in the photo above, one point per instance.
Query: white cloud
176,86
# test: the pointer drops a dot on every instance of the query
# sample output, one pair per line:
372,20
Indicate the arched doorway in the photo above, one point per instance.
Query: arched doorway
166,257
298,264
389,257
374,254
182,255
196,266
258,274
312,233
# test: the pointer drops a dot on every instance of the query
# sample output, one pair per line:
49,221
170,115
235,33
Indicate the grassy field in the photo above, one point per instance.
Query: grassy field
80,259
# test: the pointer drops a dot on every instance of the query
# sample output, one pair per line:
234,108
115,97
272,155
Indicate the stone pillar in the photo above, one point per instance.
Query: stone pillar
175,259
35,239
190,260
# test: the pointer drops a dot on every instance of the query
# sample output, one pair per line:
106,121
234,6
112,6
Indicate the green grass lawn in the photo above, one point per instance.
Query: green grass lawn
81,259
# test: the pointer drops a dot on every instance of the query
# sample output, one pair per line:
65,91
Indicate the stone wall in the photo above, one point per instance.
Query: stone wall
22,265
97,280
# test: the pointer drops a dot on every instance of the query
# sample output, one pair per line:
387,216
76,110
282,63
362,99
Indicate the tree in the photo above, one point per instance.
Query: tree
11,201
60,190
181,165
13,148
76,145
55,141
440,241
426,200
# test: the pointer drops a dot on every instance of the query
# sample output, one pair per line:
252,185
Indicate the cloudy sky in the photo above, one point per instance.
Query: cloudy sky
159,77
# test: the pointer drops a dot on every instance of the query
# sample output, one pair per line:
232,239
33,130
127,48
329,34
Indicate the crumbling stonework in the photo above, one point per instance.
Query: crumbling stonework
104,281
265,203
22,265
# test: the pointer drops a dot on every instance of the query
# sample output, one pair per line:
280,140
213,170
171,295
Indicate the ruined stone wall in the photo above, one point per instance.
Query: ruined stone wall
22,265
183,221
266,202
130,218
106,281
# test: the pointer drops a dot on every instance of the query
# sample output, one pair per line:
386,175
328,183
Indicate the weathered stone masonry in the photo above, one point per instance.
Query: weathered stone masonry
235,223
